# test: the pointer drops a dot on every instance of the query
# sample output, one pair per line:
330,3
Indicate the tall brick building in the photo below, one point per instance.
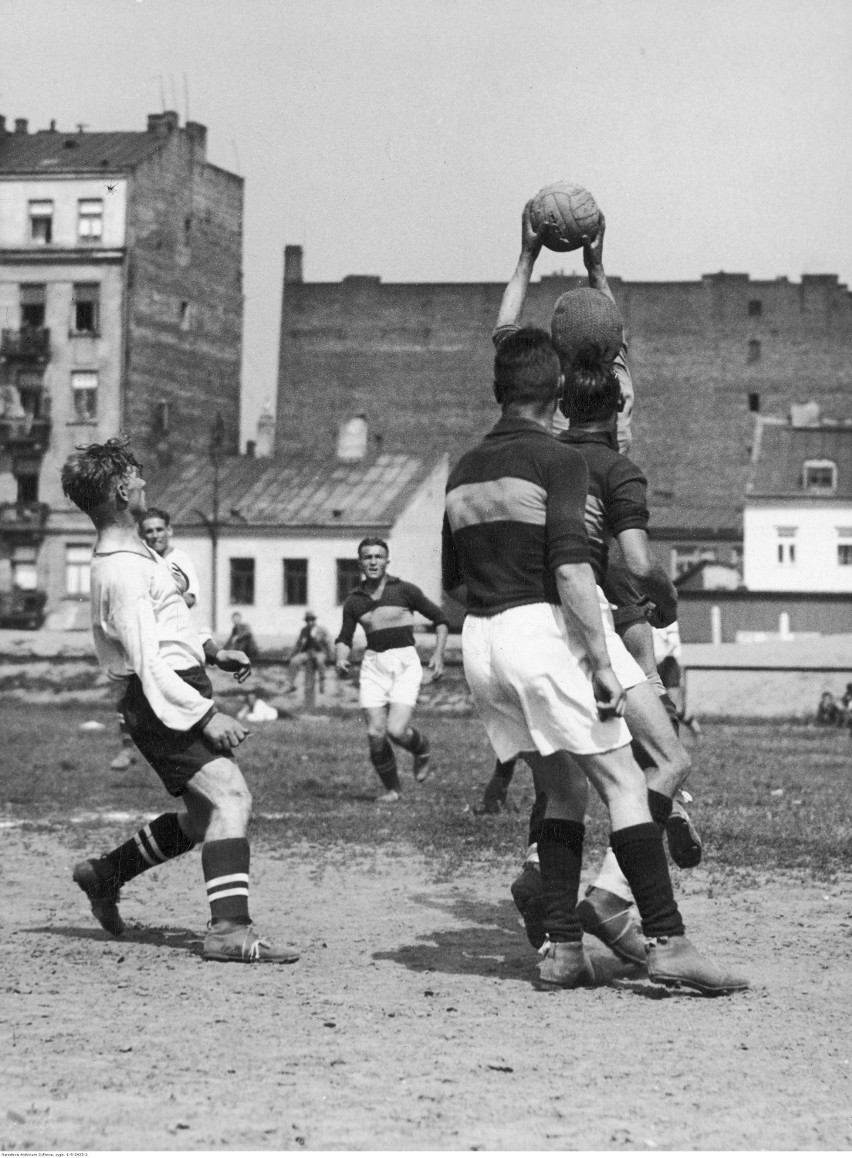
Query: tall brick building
706,357
121,308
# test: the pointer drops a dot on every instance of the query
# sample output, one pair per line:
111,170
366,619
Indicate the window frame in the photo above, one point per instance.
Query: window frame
82,569
33,217
91,237
342,567
85,294
815,465
78,391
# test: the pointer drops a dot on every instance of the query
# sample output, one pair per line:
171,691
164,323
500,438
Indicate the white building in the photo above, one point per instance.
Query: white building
271,537
798,506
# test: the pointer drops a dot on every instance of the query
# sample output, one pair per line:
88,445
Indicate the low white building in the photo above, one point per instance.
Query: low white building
272,537
798,507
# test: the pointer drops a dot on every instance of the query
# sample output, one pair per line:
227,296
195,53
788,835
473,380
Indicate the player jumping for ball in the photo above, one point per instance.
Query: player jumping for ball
150,650
391,672
536,660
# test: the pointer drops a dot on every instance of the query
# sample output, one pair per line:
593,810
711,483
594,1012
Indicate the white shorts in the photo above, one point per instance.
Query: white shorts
531,682
390,677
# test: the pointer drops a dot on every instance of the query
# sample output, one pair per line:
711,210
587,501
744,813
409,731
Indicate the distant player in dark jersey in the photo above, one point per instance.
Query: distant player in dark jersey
391,672
542,671
152,653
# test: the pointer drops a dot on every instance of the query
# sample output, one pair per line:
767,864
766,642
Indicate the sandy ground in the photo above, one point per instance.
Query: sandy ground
413,1020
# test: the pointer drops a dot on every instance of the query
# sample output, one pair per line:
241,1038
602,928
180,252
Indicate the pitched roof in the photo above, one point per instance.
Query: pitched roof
296,491
781,451
48,151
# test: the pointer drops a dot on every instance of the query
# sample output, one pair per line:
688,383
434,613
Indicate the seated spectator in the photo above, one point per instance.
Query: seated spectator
241,638
256,711
313,652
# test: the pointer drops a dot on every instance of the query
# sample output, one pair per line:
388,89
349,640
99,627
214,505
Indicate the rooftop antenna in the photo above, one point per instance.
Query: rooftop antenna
162,93
236,153
81,125
174,94
185,99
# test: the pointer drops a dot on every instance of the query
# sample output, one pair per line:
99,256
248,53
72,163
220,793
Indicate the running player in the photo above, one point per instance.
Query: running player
535,653
391,672
146,643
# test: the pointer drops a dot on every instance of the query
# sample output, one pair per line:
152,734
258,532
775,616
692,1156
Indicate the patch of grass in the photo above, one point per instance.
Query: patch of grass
766,795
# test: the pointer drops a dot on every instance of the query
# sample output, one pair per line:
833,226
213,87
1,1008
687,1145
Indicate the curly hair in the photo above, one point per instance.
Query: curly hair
90,475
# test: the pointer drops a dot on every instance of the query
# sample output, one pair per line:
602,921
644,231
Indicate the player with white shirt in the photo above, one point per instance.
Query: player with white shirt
150,649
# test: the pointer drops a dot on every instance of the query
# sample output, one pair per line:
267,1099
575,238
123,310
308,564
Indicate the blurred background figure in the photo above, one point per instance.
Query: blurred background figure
256,711
241,638
313,652
667,653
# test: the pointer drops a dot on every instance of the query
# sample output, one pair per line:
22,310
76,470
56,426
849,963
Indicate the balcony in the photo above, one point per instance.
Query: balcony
24,522
29,344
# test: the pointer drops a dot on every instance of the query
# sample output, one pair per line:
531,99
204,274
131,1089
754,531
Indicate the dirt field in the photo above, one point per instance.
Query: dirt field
413,1020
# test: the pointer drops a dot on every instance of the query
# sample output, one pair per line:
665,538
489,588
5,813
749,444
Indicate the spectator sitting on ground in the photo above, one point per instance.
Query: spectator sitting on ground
256,711
828,711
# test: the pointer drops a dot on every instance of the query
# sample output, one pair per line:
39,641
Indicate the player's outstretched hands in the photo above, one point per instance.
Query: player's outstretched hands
236,661
436,667
224,732
609,694
593,248
531,241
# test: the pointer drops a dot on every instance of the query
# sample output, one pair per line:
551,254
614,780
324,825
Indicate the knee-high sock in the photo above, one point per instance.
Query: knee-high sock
412,741
384,761
155,843
226,874
641,857
560,852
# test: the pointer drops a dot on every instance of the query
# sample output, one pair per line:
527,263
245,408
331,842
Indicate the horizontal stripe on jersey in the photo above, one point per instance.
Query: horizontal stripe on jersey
618,493
392,611
514,513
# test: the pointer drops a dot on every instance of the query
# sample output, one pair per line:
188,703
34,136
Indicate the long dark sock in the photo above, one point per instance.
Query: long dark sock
412,741
560,854
640,855
225,864
154,843
537,818
384,761
660,806
504,770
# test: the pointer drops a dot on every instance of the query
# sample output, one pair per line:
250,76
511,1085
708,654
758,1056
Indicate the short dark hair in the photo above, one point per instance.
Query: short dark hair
90,476
373,541
157,513
592,390
526,367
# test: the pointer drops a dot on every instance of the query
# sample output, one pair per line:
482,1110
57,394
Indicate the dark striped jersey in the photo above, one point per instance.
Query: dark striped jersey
618,493
389,620
514,513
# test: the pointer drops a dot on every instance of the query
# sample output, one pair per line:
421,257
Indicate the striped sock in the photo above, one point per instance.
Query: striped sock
155,843
225,864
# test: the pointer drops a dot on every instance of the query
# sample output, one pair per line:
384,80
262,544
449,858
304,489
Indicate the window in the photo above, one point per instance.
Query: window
86,308
844,554
242,581
754,402
819,476
78,568
24,573
41,222
755,308
348,577
754,350
683,559
90,220
31,392
33,305
786,547
27,488
84,387
295,582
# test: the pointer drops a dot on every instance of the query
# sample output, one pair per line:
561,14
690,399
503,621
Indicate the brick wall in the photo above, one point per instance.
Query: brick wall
184,311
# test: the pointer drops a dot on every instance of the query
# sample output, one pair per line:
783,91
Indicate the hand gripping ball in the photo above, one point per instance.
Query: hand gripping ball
566,211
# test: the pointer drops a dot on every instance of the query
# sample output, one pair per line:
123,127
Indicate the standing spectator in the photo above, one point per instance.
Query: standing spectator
241,638
313,652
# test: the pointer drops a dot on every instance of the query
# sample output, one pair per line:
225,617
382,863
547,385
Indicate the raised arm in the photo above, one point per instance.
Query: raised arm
515,293
593,261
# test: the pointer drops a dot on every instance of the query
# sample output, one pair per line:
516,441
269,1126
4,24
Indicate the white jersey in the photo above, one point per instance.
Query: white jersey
141,625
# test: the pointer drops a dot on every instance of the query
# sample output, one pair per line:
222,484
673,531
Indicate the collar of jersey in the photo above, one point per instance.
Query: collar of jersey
508,425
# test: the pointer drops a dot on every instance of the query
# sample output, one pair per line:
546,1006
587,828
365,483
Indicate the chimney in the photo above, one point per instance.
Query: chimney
251,446
2,126
197,134
21,125
352,439
293,265
163,123
265,442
